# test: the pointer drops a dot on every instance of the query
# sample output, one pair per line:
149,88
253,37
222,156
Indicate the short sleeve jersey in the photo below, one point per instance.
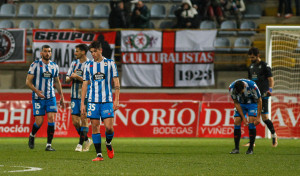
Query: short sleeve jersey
100,75
250,95
44,75
78,68
259,73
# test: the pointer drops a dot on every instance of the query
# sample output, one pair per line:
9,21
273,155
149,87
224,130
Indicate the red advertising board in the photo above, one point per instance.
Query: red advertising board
216,120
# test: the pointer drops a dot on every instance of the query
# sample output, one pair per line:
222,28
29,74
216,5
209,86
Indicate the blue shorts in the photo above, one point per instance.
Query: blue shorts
250,109
100,110
75,106
42,106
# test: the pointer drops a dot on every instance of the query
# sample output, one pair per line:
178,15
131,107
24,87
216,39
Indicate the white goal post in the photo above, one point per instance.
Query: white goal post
283,55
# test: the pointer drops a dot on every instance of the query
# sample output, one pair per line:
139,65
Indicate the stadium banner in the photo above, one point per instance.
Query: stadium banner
216,120
63,44
171,50
12,46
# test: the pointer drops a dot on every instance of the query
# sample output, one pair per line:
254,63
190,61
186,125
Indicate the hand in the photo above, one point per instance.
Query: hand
74,75
257,121
188,24
245,122
116,105
83,110
269,92
62,103
137,12
40,94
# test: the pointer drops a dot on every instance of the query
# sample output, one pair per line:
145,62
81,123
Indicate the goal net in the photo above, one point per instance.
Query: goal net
283,55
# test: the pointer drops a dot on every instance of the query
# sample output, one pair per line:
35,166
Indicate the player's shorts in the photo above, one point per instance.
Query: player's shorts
45,105
265,106
250,109
100,110
75,106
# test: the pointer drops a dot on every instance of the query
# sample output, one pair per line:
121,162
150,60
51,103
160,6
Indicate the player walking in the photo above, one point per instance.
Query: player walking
260,72
75,74
247,100
101,73
40,80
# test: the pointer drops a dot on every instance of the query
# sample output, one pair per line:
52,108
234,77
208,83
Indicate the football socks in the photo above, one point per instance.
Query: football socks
252,134
109,136
237,136
35,128
50,132
97,142
270,126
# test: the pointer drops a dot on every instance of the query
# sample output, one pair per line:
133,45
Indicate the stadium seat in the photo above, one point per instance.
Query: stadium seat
158,11
166,25
227,25
63,10
85,0
250,25
222,44
28,46
160,0
44,10
27,24
86,24
67,24
46,24
26,10
177,0
172,10
101,11
241,44
7,24
102,0
82,11
152,26
207,24
8,10
104,24
66,0
27,0
253,11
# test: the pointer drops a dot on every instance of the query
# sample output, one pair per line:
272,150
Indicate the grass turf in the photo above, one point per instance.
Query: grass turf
152,156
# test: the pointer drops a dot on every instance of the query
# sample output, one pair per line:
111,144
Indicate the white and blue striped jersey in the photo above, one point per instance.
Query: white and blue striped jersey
251,92
44,75
100,75
78,68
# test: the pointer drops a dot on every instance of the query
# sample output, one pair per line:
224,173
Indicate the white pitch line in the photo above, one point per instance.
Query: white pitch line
27,169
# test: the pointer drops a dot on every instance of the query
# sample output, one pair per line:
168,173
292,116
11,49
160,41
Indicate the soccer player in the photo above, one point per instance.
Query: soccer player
247,100
260,72
75,74
101,73
40,79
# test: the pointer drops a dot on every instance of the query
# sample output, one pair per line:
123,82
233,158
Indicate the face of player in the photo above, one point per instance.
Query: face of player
253,58
46,54
96,53
78,53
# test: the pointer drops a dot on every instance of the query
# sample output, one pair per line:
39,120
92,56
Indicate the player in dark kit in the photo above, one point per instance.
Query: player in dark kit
260,72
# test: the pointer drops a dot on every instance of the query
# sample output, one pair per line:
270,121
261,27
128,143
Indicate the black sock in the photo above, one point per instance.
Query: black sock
81,138
78,130
35,128
97,142
50,132
237,137
269,124
252,136
109,136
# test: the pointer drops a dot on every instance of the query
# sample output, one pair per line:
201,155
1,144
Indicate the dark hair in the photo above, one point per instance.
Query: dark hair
95,44
253,51
238,87
82,47
46,46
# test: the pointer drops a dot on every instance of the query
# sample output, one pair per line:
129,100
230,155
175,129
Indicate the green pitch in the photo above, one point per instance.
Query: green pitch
149,156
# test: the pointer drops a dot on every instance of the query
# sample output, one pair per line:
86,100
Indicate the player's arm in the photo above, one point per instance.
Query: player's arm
83,93
31,86
60,92
240,111
117,93
271,85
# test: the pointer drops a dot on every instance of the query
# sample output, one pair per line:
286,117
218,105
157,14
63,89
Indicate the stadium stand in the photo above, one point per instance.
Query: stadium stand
207,24
66,24
253,11
86,24
172,10
26,10
158,11
101,11
45,10
166,24
229,26
82,11
7,24
46,24
247,25
27,24
104,24
222,44
8,10
64,11
241,44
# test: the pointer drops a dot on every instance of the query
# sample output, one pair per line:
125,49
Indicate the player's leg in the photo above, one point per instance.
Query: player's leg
237,134
85,130
38,112
252,112
77,124
93,113
107,114
51,109
268,122
75,112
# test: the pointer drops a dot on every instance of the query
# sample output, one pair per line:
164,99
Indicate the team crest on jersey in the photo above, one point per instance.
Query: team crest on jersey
7,46
47,75
99,76
105,64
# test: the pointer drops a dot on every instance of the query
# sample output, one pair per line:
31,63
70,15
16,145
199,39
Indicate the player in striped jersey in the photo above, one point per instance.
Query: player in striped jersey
40,79
75,74
101,73
247,100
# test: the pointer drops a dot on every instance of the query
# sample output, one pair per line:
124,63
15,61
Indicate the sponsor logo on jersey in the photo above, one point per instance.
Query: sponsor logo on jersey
47,75
99,76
